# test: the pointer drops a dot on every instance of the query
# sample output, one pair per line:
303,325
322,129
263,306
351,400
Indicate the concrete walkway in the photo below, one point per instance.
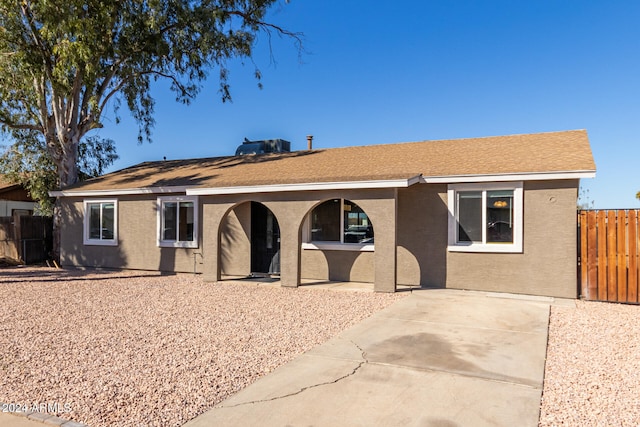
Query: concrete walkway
436,358
34,419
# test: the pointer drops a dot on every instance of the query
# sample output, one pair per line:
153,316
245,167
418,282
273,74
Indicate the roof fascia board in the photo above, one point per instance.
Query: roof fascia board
120,192
537,176
315,186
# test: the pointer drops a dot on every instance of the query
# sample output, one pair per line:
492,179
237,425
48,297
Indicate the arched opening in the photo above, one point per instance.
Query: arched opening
249,241
265,241
339,221
338,242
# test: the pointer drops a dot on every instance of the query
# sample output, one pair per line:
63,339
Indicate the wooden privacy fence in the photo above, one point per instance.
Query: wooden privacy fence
8,247
608,255
26,239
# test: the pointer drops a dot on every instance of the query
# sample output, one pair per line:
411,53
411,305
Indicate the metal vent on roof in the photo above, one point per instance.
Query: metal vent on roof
263,146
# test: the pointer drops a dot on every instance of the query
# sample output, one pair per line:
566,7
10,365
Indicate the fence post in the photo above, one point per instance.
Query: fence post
582,254
632,235
591,254
622,256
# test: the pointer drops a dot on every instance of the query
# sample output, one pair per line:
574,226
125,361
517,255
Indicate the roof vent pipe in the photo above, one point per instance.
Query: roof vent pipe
309,142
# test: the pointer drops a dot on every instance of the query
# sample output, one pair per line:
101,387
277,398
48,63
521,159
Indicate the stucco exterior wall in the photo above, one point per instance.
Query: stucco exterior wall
346,266
235,241
421,244
137,240
410,240
547,265
422,235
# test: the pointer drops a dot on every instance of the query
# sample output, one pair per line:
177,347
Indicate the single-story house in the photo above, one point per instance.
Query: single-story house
14,199
493,214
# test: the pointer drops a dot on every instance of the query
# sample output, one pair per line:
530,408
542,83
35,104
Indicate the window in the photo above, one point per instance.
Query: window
339,224
485,217
178,222
100,222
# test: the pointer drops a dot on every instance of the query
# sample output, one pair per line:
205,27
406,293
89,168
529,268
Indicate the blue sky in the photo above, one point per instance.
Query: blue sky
423,70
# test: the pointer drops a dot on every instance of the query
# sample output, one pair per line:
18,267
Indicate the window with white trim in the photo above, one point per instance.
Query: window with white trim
178,222
101,222
485,217
339,224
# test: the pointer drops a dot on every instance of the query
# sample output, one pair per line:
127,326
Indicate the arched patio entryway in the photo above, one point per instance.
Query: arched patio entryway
249,241
338,242
227,220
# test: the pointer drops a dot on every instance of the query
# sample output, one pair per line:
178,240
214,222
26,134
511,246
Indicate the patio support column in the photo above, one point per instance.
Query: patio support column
290,242
385,226
212,216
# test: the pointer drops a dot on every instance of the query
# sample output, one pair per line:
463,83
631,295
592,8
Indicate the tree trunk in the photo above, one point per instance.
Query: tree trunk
67,164
68,167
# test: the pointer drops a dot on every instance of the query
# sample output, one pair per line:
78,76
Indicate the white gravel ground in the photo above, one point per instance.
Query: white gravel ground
138,349
592,375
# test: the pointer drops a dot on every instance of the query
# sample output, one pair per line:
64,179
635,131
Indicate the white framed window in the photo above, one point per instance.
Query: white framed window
101,222
338,224
178,221
485,217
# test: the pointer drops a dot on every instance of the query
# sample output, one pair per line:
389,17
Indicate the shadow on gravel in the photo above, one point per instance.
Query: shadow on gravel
48,274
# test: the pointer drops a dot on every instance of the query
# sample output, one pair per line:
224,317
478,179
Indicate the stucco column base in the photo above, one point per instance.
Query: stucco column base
386,289
288,285
209,278
290,252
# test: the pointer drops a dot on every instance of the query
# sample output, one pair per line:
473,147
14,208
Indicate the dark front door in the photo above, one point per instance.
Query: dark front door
265,240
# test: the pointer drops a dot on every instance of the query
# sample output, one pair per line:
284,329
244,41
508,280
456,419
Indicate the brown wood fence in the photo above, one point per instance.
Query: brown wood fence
8,246
26,239
608,255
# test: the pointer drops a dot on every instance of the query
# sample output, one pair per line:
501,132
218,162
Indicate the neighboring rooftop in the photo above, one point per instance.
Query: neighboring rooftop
541,153
13,191
5,184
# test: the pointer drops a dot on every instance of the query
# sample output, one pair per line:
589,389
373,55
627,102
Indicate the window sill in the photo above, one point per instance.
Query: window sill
191,245
336,246
92,242
487,248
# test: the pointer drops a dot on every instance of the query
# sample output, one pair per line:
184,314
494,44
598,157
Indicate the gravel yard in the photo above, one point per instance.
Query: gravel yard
131,348
592,375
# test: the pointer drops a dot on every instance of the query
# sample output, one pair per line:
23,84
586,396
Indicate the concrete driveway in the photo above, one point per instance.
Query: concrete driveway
436,358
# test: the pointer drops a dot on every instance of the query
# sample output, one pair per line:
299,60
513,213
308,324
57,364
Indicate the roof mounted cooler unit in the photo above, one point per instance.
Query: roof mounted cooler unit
264,146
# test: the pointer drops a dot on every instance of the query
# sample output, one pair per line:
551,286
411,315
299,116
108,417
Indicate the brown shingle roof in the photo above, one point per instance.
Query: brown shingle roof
5,184
529,153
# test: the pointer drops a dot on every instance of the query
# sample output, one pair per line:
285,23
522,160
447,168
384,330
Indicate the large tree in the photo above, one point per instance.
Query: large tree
64,63
27,162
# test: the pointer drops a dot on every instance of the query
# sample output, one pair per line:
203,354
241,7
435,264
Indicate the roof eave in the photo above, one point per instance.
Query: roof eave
527,176
119,192
339,185
311,186
272,188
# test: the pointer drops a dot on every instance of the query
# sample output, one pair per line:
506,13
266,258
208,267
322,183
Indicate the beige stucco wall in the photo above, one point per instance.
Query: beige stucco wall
547,265
422,235
235,241
421,244
348,266
414,253
137,240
